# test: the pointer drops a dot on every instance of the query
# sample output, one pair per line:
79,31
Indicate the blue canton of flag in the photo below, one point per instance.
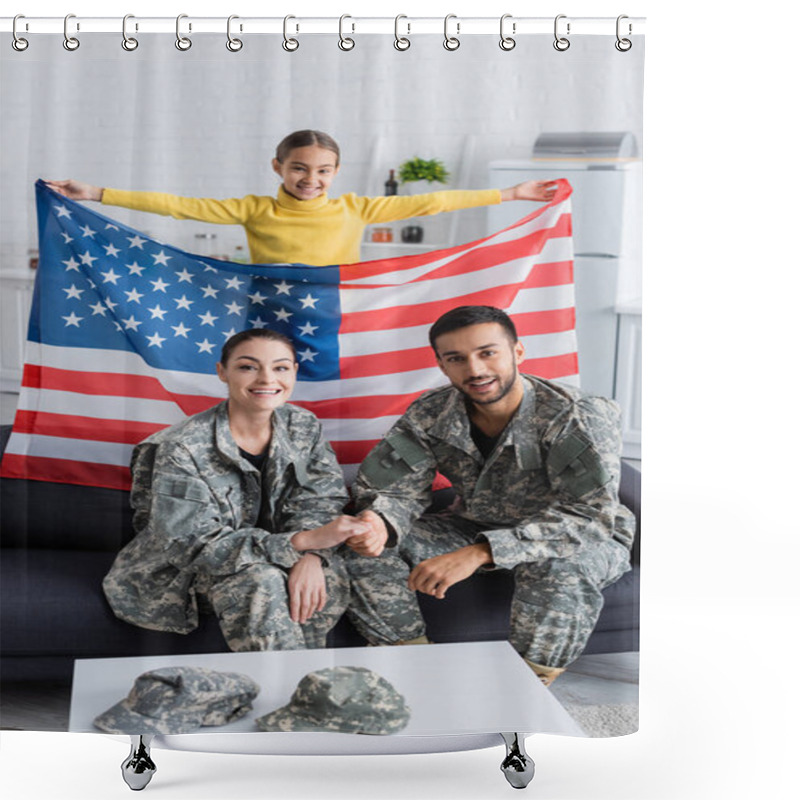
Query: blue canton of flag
107,286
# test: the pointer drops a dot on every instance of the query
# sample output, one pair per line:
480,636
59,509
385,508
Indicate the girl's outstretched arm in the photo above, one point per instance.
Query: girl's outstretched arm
77,190
542,191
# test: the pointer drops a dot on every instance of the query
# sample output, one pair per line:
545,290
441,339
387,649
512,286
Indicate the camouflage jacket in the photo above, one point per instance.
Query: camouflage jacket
549,485
199,507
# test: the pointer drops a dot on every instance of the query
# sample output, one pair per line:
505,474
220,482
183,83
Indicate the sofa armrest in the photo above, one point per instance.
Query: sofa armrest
630,494
62,516
5,432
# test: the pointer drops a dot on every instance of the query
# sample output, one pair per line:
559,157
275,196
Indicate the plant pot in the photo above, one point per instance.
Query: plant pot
417,187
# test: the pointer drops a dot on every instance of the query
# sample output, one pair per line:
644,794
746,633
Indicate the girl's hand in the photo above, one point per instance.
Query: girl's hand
541,191
330,535
77,190
306,588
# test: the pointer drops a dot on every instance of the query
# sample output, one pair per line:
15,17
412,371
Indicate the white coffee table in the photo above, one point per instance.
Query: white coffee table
462,697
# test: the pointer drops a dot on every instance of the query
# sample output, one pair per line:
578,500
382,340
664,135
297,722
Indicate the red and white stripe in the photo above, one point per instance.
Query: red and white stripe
81,411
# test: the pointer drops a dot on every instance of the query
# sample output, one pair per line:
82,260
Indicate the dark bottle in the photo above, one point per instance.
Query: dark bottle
390,187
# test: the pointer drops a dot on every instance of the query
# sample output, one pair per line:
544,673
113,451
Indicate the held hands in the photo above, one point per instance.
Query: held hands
436,575
374,540
306,588
542,191
76,190
330,535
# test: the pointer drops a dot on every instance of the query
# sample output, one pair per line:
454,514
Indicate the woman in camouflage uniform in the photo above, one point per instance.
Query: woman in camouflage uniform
236,511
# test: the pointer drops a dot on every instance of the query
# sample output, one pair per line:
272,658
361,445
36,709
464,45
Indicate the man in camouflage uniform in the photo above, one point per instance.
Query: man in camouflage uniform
535,466
214,533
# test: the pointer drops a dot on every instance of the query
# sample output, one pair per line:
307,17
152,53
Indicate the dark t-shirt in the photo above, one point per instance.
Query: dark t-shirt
484,443
256,460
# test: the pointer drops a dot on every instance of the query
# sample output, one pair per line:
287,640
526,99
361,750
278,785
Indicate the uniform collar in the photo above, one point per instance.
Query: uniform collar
453,426
279,444
527,404
225,441
521,431
285,200
228,447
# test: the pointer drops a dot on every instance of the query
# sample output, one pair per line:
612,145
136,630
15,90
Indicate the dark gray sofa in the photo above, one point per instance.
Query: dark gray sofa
58,541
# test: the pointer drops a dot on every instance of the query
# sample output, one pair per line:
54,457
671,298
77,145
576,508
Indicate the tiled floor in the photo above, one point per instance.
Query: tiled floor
601,692
34,706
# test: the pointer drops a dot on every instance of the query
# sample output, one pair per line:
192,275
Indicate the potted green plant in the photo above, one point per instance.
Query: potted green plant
420,169
416,174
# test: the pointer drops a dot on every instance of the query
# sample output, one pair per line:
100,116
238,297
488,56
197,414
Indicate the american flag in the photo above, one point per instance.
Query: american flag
125,333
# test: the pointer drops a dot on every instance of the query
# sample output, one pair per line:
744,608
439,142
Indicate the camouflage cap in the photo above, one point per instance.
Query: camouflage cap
179,700
341,699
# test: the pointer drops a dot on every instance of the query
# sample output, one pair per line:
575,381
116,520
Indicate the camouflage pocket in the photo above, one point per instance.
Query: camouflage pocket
577,465
181,488
391,459
300,473
165,574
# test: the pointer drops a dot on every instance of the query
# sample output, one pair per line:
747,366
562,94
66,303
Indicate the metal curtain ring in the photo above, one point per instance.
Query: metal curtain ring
401,42
507,42
233,44
129,43
561,43
623,45
289,44
451,42
345,42
70,42
182,42
18,43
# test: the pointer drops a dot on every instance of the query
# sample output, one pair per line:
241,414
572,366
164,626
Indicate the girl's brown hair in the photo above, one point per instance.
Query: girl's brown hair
306,139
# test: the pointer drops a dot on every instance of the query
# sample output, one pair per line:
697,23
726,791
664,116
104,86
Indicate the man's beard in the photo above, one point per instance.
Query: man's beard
504,389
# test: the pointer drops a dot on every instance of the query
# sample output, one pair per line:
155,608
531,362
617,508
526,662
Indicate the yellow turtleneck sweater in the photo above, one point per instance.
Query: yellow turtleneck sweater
287,230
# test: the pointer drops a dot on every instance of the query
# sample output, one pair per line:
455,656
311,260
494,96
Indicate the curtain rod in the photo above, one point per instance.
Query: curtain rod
453,25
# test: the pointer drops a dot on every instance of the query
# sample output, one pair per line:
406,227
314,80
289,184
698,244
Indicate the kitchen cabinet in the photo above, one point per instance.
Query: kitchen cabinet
16,293
607,252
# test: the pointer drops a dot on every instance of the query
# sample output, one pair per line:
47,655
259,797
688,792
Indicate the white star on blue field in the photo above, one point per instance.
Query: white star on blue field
104,285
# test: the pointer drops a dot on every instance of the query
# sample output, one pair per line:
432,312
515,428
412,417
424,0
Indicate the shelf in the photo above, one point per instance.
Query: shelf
18,274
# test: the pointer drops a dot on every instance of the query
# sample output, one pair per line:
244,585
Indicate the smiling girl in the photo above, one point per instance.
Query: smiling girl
302,224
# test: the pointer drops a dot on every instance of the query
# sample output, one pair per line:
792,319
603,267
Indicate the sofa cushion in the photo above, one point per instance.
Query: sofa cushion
479,609
37,514
59,541
53,603
61,516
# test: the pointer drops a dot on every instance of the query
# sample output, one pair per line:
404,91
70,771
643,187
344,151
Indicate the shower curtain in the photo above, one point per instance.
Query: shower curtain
204,121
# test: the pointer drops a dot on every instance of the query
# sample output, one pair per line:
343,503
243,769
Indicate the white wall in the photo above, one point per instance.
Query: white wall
205,122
